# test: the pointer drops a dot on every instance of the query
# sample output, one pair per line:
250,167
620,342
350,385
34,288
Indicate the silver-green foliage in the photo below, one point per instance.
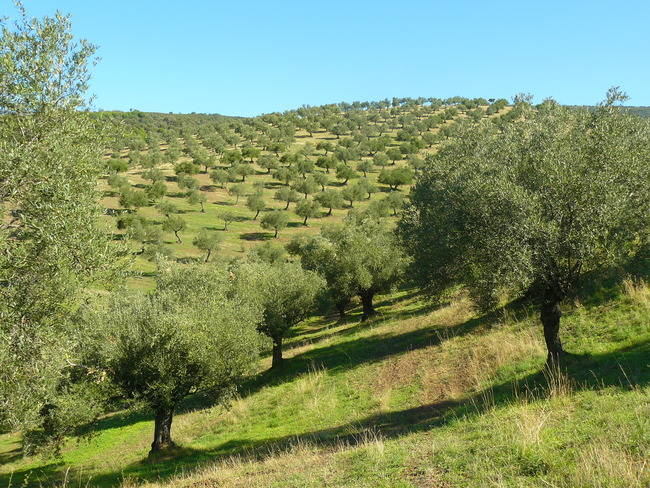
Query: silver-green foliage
557,193
285,292
52,244
190,335
533,205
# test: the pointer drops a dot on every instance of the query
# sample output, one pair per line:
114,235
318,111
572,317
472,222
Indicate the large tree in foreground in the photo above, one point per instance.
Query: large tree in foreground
533,207
53,246
186,337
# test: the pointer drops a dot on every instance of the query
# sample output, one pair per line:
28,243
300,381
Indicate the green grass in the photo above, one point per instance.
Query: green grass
424,395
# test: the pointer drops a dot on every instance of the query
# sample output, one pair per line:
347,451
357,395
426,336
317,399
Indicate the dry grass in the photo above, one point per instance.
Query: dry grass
637,290
464,365
602,465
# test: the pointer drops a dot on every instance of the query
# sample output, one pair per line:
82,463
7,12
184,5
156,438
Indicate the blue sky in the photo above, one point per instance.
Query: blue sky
251,57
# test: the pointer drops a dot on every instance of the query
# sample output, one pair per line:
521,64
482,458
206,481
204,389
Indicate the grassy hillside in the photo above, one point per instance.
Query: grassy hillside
404,125
425,395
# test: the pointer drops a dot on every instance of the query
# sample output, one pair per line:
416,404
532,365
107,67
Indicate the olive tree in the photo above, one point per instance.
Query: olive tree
394,178
307,209
186,337
238,190
197,196
53,244
255,203
276,220
207,241
227,216
219,177
175,224
532,207
330,199
353,193
360,257
285,292
288,195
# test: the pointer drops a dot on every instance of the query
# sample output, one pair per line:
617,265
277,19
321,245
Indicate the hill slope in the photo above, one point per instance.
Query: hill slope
425,395
308,143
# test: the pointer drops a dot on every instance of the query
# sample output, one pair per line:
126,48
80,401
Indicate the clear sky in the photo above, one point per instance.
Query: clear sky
251,57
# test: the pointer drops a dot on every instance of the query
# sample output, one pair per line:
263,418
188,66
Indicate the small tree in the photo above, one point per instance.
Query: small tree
166,208
251,152
330,199
394,154
187,183
268,162
353,193
287,195
232,158
197,196
275,220
285,175
367,186
284,291
344,172
187,167
365,166
140,230
395,201
227,216
360,258
532,206
321,179
207,241
156,190
133,199
185,337
175,224
325,146
394,178
380,159
244,170
306,186
256,204
219,177
238,190
304,166
327,163
307,209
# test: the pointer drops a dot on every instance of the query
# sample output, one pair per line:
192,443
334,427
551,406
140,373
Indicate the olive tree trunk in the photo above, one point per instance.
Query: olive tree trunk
550,314
162,435
366,303
277,353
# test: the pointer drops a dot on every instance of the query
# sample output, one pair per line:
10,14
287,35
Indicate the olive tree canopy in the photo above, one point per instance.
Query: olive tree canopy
532,206
53,246
189,336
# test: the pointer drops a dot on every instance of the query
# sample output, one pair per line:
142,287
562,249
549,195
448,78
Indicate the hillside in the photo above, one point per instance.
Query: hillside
425,395
260,156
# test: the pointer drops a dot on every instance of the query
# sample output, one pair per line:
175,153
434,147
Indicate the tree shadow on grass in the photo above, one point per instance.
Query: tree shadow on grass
351,323
624,369
256,236
346,355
